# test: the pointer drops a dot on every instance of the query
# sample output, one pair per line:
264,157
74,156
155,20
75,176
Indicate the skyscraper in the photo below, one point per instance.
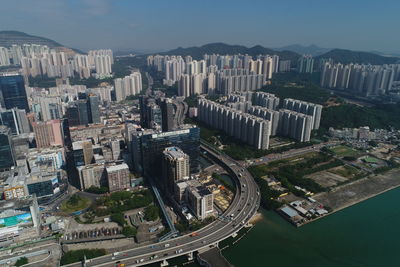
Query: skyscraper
6,151
12,92
15,119
167,112
148,146
93,108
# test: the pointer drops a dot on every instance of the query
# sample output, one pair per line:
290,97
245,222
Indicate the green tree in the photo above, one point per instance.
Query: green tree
151,213
21,261
74,200
129,231
118,218
78,255
97,190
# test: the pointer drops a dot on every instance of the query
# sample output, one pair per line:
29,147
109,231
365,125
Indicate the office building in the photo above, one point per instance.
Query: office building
7,159
83,152
12,92
148,147
175,166
118,177
93,108
167,112
200,201
15,119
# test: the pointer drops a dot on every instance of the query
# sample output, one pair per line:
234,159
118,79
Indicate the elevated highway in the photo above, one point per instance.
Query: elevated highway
243,207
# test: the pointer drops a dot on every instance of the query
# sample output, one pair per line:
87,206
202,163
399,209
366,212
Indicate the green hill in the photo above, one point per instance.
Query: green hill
348,56
223,49
8,38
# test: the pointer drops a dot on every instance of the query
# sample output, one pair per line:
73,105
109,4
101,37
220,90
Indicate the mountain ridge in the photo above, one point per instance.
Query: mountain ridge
10,37
197,52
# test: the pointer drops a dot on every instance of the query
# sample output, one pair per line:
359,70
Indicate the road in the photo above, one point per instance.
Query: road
291,153
243,207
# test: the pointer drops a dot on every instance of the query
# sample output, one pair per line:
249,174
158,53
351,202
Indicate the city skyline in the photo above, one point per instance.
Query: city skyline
139,25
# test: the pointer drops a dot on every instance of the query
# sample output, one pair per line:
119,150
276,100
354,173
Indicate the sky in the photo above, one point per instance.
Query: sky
159,25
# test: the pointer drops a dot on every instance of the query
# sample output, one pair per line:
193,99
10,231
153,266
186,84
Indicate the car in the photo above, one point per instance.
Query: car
141,260
166,245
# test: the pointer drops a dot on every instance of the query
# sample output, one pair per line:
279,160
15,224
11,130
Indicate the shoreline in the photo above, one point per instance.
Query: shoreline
351,194
349,205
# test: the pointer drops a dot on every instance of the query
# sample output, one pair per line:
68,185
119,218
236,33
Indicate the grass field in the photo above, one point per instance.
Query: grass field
344,151
79,203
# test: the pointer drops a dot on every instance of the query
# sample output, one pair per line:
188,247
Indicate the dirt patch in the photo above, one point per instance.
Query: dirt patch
352,193
327,179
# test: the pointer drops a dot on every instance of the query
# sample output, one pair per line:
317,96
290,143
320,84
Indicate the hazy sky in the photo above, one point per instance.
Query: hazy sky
165,24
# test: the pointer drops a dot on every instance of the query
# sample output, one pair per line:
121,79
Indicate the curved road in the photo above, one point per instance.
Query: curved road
241,210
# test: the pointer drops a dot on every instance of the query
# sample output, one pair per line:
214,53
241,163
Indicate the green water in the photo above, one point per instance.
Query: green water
367,235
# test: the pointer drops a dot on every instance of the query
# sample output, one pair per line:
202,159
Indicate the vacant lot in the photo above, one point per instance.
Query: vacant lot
352,193
345,171
344,151
327,179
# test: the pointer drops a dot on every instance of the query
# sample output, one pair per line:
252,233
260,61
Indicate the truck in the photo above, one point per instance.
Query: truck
194,234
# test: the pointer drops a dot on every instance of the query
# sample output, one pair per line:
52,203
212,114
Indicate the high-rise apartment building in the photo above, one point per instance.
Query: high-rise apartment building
305,64
48,133
118,177
250,129
295,125
129,85
266,100
307,108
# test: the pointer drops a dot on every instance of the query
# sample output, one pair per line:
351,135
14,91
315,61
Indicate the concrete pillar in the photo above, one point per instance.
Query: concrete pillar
190,256
164,263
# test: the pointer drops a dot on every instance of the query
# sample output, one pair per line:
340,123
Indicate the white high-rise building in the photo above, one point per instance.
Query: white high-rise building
4,57
102,66
129,85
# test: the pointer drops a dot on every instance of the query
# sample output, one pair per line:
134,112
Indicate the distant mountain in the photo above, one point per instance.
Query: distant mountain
301,49
348,56
224,49
8,38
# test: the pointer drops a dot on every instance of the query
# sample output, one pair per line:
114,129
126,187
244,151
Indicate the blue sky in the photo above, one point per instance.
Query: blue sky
165,24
